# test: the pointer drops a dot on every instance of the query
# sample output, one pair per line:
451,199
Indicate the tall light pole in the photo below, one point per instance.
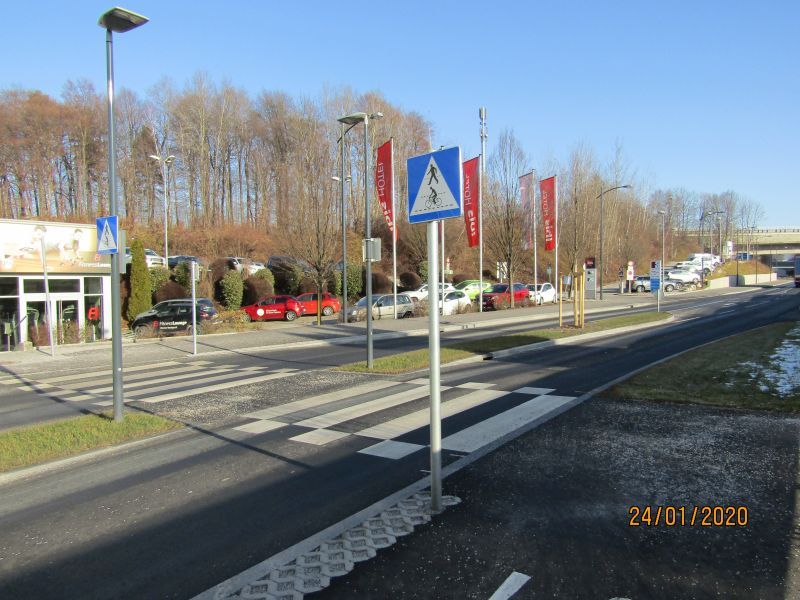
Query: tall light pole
602,213
341,180
115,20
354,119
39,232
165,163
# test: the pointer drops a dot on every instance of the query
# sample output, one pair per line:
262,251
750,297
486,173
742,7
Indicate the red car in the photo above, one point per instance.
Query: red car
274,307
498,297
330,303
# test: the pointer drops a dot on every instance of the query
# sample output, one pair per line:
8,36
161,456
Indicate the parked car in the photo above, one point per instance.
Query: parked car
642,284
174,261
685,277
151,257
170,319
472,287
541,293
456,302
240,263
330,303
498,296
421,293
205,305
382,307
274,307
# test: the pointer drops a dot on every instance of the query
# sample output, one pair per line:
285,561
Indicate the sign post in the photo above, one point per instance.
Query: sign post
434,193
655,282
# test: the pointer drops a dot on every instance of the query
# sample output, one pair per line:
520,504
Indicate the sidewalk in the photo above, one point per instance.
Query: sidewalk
297,334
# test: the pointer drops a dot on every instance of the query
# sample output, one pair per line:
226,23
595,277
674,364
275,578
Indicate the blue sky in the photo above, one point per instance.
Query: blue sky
700,95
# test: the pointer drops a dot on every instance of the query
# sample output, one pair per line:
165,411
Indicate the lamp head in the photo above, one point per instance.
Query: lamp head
353,118
120,20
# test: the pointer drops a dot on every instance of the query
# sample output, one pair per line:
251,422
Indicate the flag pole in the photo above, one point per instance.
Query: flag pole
482,115
393,232
555,187
535,256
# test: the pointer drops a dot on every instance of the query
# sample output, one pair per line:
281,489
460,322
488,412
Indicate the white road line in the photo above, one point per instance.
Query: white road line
493,428
321,400
143,383
260,426
511,586
214,388
98,374
408,423
475,385
534,390
391,449
319,437
366,408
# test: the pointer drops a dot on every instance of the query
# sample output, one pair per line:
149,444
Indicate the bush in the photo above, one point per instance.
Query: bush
170,290
266,275
183,275
219,268
381,284
459,277
422,269
141,294
256,288
409,281
158,277
355,280
334,283
306,285
232,288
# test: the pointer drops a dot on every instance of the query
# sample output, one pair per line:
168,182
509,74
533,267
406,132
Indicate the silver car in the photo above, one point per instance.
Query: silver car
382,307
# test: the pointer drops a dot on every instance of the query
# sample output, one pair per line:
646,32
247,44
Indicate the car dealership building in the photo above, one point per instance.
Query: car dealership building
50,269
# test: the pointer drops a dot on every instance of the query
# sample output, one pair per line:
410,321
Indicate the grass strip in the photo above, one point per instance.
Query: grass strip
418,359
737,372
31,445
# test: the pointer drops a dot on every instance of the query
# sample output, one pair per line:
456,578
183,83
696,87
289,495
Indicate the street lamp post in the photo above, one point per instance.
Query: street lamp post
354,119
602,213
341,180
40,232
115,20
165,163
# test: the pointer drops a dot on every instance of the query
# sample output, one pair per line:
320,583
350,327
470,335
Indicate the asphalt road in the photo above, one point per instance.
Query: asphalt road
178,515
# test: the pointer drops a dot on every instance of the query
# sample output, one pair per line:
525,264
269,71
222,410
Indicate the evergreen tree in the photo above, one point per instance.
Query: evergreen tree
141,292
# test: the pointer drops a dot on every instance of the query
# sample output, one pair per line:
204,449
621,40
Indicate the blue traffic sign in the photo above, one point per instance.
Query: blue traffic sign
107,235
434,186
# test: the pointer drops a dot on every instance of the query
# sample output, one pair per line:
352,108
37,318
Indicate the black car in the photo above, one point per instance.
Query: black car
171,316
174,261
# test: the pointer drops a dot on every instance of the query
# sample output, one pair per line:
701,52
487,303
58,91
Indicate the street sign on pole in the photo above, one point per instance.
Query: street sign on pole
434,193
107,235
434,186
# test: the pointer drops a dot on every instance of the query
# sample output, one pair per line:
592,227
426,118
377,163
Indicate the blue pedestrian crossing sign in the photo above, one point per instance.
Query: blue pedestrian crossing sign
107,235
434,186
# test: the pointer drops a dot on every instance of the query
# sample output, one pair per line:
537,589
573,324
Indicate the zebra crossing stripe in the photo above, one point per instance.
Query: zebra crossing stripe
421,418
366,408
279,374
391,449
493,428
317,401
145,383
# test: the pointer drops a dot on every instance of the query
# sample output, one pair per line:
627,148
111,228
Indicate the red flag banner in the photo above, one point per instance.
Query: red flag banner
547,188
472,192
384,181
526,193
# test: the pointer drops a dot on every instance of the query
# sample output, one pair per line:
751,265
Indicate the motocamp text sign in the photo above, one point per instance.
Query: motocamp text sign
434,186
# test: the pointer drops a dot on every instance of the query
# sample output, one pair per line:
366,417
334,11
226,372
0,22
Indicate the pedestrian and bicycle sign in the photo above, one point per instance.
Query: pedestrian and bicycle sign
107,235
434,186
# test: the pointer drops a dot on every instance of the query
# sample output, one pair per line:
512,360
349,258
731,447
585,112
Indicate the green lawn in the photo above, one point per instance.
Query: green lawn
418,359
740,371
26,446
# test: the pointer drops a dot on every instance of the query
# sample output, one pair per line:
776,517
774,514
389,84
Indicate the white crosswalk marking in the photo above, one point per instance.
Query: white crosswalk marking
408,423
467,440
155,383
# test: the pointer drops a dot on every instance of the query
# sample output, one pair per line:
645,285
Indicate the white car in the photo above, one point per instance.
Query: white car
421,293
683,276
456,302
151,257
541,293
240,263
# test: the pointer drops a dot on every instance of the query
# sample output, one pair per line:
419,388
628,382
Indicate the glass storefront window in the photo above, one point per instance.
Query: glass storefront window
57,286
9,286
92,285
9,323
93,305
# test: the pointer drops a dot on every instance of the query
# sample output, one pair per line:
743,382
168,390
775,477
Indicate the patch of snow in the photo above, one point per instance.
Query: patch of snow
781,376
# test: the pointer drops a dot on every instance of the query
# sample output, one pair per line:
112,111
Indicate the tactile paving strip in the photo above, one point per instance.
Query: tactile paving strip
312,571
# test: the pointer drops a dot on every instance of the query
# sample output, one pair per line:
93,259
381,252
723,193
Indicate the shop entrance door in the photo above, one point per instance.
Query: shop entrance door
66,315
